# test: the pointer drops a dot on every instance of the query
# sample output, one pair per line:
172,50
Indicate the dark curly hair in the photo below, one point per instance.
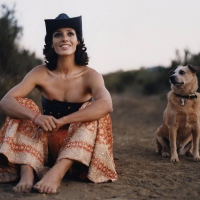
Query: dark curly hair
51,57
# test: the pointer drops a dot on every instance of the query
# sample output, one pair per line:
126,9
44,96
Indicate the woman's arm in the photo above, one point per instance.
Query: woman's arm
101,106
10,106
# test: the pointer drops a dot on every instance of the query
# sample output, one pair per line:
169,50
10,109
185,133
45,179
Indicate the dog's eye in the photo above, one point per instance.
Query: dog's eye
182,72
171,73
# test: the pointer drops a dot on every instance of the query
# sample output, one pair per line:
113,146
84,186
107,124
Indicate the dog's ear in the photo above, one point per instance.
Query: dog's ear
172,70
194,69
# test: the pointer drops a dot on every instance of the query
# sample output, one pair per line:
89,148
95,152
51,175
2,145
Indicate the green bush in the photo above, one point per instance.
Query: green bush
14,62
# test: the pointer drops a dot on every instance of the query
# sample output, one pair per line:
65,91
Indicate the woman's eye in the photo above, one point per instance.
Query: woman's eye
57,34
70,33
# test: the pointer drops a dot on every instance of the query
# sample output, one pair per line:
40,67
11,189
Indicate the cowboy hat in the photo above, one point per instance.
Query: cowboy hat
62,21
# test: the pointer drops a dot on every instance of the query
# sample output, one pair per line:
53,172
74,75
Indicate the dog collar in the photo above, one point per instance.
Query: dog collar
183,97
189,96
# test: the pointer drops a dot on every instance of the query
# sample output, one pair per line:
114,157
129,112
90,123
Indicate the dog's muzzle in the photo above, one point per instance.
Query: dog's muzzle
173,81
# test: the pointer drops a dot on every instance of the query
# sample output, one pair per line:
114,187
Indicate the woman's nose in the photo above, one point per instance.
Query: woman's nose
65,37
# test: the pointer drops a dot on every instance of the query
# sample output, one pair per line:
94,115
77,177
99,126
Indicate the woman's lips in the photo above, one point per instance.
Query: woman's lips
65,46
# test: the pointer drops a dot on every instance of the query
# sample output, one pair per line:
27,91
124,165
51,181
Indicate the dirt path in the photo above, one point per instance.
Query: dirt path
142,173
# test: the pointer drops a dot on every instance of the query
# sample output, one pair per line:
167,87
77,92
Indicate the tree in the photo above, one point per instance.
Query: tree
14,62
10,33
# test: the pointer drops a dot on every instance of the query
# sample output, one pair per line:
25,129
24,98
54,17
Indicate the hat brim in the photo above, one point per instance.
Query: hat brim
54,24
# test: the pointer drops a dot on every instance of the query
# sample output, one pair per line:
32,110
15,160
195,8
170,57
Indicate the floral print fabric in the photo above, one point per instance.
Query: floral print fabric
89,143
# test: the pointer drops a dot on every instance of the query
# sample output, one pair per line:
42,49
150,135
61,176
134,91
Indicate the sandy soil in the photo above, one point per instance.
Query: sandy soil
142,173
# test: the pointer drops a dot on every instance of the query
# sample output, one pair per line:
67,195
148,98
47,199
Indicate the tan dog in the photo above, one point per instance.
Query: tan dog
180,130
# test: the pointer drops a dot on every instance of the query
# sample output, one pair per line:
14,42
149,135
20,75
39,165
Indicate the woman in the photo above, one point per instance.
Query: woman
66,134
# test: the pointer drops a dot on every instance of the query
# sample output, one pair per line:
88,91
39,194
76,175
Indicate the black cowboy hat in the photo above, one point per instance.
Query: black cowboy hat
62,21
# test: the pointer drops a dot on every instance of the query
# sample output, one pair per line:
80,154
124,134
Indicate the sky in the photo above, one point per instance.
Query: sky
119,34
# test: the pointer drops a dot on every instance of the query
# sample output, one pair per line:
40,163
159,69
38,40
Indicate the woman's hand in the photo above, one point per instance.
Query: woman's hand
38,134
59,124
46,122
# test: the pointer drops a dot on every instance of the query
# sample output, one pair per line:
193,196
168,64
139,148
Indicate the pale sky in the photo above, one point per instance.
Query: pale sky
119,34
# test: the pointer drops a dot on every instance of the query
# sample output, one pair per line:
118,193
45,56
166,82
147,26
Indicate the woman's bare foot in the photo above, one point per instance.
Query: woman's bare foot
51,180
26,182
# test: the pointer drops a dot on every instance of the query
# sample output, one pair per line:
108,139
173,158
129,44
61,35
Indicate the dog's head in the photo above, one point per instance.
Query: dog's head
183,75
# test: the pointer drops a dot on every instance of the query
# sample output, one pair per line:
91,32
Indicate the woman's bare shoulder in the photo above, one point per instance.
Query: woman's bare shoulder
92,77
37,74
90,72
40,68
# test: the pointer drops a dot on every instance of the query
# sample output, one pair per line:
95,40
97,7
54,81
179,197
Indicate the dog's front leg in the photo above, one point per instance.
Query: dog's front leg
196,133
172,139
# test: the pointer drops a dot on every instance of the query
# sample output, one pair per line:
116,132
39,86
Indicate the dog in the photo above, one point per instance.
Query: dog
180,130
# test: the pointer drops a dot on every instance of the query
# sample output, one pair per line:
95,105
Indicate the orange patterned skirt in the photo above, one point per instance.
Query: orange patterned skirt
88,143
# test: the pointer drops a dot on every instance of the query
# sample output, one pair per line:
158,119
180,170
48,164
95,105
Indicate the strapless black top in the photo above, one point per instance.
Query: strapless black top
59,109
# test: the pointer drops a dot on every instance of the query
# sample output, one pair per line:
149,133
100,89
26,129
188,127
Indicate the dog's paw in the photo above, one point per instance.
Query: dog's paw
196,159
174,159
165,154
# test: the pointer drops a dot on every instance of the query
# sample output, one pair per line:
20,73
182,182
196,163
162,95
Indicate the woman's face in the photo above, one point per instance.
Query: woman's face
65,41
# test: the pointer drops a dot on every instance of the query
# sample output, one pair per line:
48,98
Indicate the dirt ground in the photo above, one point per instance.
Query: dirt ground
142,173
